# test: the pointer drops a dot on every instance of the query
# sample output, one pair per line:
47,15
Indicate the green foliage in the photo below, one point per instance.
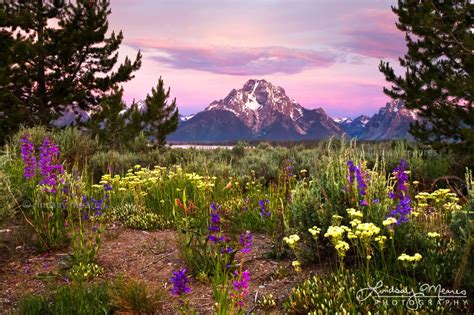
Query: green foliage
76,146
33,305
84,271
70,61
71,299
8,193
108,123
133,296
81,299
438,63
266,302
158,118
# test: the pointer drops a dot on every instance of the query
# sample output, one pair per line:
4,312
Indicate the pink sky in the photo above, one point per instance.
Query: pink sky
324,53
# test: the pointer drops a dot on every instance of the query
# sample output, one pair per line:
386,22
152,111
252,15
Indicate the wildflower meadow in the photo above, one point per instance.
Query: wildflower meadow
337,228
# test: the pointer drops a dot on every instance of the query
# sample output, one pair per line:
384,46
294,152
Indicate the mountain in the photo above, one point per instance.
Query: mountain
355,128
183,118
69,116
259,111
391,122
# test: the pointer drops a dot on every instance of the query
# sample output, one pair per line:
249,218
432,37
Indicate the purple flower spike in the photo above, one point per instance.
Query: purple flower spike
49,168
180,282
264,212
241,286
28,156
400,194
246,242
355,173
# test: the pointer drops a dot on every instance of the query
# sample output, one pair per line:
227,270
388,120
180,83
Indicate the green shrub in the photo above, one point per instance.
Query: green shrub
68,300
76,146
33,305
10,193
81,299
128,295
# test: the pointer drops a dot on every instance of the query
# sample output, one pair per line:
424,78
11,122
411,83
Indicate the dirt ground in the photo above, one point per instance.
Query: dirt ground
148,256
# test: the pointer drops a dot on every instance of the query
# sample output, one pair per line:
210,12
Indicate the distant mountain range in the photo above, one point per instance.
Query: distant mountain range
262,111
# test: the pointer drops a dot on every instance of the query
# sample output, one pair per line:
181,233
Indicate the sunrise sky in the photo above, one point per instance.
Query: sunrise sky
324,53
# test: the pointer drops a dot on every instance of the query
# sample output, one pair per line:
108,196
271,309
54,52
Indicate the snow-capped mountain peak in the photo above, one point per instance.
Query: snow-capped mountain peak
183,118
342,120
259,110
256,101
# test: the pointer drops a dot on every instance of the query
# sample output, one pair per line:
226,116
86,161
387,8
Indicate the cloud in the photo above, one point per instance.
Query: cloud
233,60
373,33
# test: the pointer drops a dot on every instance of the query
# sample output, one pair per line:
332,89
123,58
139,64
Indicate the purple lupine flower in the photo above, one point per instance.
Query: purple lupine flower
107,186
400,194
241,286
361,182
264,212
226,250
362,179
215,239
96,206
180,282
85,202
28,156
246,242
352,171
375,201
49,168
214,226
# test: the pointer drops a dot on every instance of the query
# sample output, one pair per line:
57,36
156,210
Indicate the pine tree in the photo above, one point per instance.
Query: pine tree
46,67
439,64
109,123
157,118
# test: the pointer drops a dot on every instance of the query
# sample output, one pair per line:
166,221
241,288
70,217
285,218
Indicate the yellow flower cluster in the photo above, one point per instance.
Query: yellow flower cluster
354,214
366,231
291,240
139,177
335,233
314,231
407,258
381,239
355,222
439,198
341,248
389,221
296,265
433,235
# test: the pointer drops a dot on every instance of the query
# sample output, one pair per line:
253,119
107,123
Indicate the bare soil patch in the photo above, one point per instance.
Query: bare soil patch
148,256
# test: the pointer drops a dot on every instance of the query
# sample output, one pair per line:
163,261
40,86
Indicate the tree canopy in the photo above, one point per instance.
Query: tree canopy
438,81
55,54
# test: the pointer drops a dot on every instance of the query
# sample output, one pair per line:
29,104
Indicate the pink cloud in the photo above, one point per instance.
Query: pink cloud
373,33
234,60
